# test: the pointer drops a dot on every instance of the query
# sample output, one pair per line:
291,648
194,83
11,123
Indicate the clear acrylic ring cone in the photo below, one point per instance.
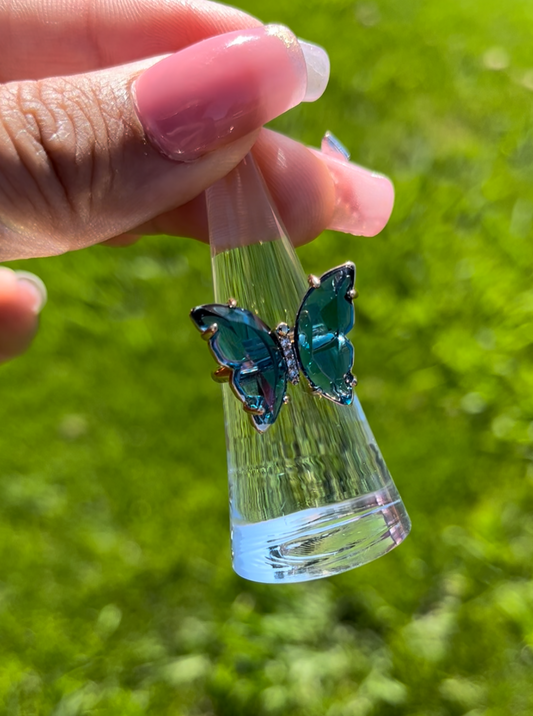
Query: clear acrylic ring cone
312,496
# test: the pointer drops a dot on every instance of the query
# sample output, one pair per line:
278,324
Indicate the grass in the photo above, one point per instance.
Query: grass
116,591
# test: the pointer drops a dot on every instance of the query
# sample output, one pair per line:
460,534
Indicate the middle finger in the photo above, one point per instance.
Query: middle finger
312,190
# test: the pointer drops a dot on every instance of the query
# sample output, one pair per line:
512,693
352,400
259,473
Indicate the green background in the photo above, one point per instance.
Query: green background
116,590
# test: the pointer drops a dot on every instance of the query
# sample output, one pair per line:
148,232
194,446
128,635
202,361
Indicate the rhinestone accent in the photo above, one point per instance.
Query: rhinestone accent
285,340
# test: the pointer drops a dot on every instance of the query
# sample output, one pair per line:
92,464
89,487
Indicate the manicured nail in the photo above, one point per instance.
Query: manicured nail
225,87
333,146
363,199
317,61
35,288
7,276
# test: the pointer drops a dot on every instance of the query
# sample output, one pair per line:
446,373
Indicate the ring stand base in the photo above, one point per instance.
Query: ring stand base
311,496
320,541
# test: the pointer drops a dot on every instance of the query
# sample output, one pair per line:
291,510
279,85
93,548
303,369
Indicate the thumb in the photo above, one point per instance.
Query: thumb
88,157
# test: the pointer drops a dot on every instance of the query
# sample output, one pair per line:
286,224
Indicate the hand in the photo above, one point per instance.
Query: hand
98,143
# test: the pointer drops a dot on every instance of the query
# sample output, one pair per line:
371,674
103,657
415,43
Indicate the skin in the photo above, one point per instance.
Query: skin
19,307
59,193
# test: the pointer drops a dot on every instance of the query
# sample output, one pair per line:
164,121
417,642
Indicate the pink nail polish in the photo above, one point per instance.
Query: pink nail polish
220,89
364,199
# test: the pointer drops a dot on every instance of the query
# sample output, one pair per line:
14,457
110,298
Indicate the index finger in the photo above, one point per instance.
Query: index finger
42,39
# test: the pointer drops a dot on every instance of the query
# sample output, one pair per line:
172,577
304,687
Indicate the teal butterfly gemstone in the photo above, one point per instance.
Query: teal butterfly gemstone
258,361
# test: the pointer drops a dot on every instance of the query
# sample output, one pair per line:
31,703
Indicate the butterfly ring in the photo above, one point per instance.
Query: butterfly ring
258,362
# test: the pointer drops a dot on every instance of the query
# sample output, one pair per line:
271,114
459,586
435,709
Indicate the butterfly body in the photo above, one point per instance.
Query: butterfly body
259,362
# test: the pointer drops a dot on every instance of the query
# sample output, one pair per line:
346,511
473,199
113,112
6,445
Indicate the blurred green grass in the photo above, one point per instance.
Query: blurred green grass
116,591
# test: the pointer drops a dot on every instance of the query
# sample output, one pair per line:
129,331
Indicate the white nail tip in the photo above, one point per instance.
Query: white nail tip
39,289
317,61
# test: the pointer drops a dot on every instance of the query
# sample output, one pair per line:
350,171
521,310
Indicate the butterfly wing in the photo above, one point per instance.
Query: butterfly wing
324,318
240,341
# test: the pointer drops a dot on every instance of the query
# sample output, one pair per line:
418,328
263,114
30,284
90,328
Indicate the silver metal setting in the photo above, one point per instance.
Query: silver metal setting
232,303
282,329
286,340
352,294
313,281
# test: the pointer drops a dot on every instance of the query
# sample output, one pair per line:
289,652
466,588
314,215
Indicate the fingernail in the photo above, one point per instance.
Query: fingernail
363,199
317,61
8,277
333,146
225,87
35,287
